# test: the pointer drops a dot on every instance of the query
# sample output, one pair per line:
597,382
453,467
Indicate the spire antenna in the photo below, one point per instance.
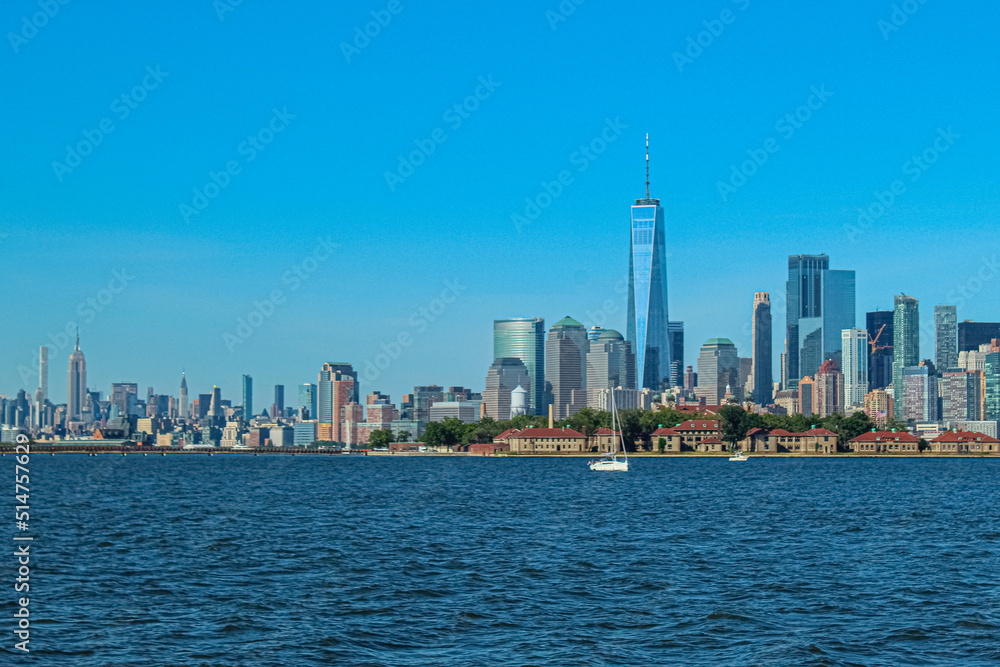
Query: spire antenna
647,165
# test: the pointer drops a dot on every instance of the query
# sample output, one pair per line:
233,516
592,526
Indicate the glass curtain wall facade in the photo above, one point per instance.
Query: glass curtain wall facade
648,321
945,337
906,345
524,338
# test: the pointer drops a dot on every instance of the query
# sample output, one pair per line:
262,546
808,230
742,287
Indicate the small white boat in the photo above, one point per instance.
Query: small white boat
738,456
611,460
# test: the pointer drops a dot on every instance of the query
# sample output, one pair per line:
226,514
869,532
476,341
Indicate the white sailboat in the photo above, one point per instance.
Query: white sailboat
611,460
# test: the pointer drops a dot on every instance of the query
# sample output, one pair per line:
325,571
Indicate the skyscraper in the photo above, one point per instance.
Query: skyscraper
215,406
307,398
880,341
647,328
504,376
610,364
828,389
184,395
855,356
524,338
43,371
945,337
566,366
77,382
279,401
973,334
676,330
337,386
125,397
820,304
247,397
718,370
919,393
763,387
905,345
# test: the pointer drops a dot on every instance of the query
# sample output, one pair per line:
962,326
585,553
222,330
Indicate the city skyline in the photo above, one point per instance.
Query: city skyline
272,220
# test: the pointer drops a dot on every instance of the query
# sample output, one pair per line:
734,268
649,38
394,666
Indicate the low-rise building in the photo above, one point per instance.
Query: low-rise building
964,442
546,441
885,442
813,441
687,436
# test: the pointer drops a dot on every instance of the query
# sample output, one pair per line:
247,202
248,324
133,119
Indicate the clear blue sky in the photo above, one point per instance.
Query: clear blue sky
324,175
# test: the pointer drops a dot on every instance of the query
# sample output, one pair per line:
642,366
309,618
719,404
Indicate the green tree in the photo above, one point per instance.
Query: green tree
662,445
403,436
735,424
631,428
380,439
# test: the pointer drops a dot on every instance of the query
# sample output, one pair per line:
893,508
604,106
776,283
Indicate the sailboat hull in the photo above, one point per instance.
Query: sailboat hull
621,466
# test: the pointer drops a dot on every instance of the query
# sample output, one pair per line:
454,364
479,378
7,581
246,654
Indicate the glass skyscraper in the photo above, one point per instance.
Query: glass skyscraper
247,397
820,305
676,353
763,389
648,321
905,346
307,399
945,337
524,338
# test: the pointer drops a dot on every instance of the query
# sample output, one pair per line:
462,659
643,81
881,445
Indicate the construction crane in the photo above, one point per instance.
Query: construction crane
874,341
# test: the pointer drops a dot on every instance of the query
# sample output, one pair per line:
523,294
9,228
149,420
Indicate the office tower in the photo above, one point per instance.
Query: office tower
905,345
594,333
647,328
961,398
247,397
807,396
124,396
762,363
854,352
184,396
879,406
43,371
744,379
991,386
973,334
346,370
337,387
829,389
919,394
718,370
690,379
945,337
820,304
880,340
77,383
421,400
307,398
215,406
279,399
676,332
610,364
524,338
566,366
504,376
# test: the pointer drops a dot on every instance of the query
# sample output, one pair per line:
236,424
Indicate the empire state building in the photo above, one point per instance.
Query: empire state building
77,383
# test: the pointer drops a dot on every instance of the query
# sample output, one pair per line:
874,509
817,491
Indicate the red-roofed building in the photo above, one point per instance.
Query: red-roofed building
772,441
601,440
711,444
964,442
488,448
885,442
547,441
686,435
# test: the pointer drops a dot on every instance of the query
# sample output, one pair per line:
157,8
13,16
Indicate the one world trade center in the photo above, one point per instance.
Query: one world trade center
647,294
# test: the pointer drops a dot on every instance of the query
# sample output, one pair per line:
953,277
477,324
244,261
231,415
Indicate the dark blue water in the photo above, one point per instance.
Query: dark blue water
238,560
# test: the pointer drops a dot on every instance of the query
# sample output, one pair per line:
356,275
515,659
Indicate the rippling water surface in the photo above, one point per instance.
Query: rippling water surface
278,560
